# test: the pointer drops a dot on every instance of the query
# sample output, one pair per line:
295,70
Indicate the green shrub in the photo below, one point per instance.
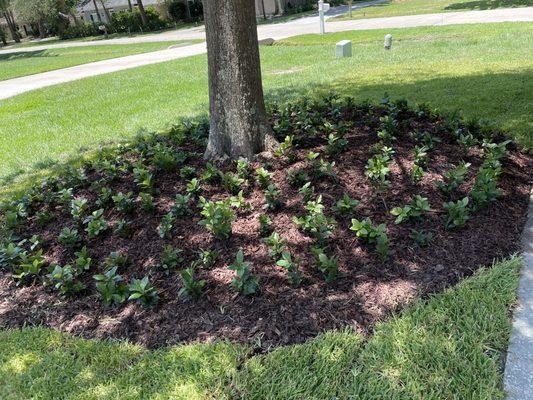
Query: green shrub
244,282
293,272
218,217
142,291
457,214
191,286
111,287
126,21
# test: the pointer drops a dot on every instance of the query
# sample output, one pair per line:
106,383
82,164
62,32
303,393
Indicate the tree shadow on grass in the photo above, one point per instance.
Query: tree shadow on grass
488,4
25,54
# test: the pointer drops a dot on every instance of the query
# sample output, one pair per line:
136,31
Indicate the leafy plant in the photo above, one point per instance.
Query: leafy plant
111,287
373,234
232,183
293,273
63,279
329,266
243,168
187,172
276,244
457,213
194,188
346,205
485,189
316,223
123,228
377,171
265,225
421,238
191,286
207,258
116,259
454,178
272,197
68,237
212,174
143,291
10,254
218,218
29,267
43,217
83,260
307,191
285,147
95,223
171,258
336,144
105,195
263,178
324,169
418,206
466,140
421,156
147,202
124,202
165,158
417,173
164,230
143,178
181,205
79,208
244,282
297,178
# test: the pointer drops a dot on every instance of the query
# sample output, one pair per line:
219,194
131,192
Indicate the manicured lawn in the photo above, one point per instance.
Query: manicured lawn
485,70
414,7
446,347
13,65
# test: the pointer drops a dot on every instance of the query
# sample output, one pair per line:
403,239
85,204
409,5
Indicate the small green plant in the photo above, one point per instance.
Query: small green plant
297,177
124,202
457,213
218,217
165,158
421,156
191,286
485,189
95,223
293,272
83,260
63,279
187,172
143,178
181,206
143,291
285,148
316,223
346,205
116,259
372,234
207,258
68,237
79,208
232,183
336,144
272,197
10,254
454,178
29,267
123,228
263,178
105,195
417,173
276,244
164,230
243,168
43,217
377,171
111,287
430,141
244,282
147,202
212,174
194,188
418,206
238,201
171,258
466,140
307,191
324,169
329,266
421,238
265,225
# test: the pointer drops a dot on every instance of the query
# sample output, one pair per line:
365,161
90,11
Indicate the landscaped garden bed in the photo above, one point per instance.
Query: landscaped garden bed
362,209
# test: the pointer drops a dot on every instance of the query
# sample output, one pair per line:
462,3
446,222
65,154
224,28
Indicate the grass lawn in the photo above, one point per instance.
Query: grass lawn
13,65
485,70
413,7
447,347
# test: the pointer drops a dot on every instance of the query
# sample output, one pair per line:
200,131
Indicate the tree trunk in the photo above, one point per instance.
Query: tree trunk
350,2
12,27
188,16
143,13
40,24
97,11
106,12
263,7
238,123
130,6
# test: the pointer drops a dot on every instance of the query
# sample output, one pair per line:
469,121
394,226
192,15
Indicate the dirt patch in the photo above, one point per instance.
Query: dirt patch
367,290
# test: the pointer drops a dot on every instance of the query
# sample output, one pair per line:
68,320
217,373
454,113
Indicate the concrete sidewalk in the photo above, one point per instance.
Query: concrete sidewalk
301,26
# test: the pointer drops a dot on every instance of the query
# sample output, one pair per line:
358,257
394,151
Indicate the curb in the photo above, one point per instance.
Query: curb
518,375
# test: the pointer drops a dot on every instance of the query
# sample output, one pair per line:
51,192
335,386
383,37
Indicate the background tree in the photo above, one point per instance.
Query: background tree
238,122
7,13
97,11
144,19
36,12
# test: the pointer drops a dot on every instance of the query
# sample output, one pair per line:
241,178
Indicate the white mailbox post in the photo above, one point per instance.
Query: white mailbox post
322,8
388,42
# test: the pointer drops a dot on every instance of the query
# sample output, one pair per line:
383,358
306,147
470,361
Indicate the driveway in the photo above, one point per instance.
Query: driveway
306,25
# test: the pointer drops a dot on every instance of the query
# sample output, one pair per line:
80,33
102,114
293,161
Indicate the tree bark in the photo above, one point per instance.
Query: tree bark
12,27
238,122
40,25
263,7
106,12
130,6
97,11
144,19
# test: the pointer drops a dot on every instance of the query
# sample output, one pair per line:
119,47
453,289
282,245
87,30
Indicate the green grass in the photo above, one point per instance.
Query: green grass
485,70
14,65
447,347
414,7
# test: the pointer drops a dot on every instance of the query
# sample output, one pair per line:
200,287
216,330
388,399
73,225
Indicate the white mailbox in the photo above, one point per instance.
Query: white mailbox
324,7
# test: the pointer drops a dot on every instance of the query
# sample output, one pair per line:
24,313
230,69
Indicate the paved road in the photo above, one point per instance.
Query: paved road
278,31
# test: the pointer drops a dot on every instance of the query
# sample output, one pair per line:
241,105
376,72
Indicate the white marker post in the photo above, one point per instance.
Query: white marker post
322,8
388,42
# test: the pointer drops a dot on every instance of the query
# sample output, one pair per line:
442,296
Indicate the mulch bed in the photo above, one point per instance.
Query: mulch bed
368,289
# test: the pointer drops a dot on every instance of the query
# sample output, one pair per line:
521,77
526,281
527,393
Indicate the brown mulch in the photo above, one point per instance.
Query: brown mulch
368,289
